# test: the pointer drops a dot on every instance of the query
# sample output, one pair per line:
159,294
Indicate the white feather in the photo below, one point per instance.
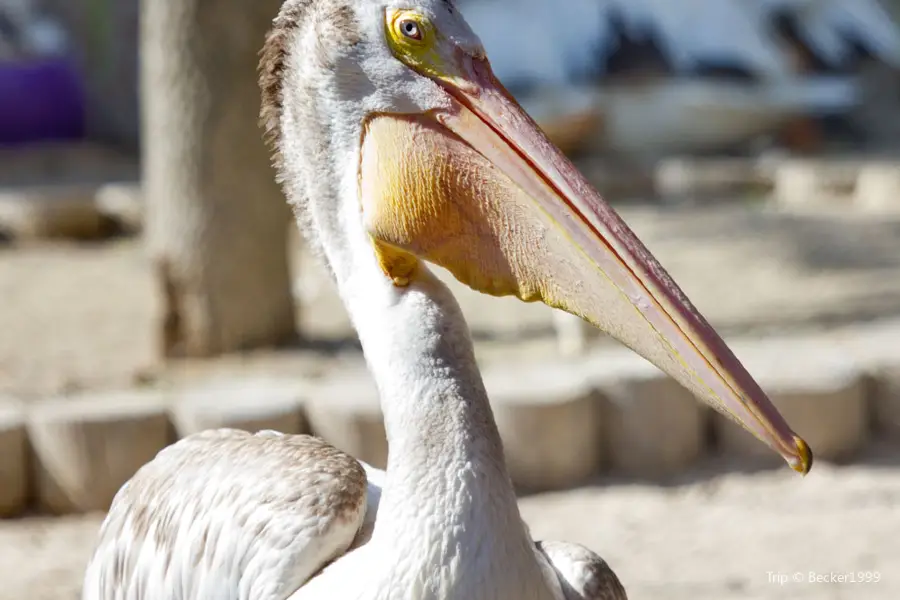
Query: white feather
225,515
228,515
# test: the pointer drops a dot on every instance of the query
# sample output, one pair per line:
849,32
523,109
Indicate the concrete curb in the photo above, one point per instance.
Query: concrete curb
562,421
86,447
344,409
62,211
551,421
13,459
866,185
70,211
249,404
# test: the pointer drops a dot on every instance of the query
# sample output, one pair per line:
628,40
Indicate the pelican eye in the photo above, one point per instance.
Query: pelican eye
410,29
411,37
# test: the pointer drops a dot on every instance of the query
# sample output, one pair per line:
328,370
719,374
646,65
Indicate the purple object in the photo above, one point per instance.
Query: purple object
40,100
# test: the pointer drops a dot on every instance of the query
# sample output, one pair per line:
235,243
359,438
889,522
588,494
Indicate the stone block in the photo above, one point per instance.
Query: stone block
344,409
248,404
86,447
690,178
795,185
572,333
806,183
885,401
51,212
656,427
122,204
873,345
550,420
878,188
13,459
824,401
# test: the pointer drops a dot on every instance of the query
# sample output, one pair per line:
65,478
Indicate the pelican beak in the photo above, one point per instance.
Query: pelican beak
479,190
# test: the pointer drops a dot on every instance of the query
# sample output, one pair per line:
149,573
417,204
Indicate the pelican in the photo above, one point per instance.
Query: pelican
399,148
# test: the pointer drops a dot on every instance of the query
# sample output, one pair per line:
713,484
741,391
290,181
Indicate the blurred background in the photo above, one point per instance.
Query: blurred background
148,262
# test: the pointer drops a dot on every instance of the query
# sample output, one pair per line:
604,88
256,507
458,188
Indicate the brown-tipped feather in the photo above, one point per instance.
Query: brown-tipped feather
273,57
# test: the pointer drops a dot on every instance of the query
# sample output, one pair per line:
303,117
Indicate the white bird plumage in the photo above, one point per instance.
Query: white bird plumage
383,114
226,515
230,515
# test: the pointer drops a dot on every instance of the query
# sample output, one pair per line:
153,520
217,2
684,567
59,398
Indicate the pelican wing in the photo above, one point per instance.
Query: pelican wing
582,574
228,515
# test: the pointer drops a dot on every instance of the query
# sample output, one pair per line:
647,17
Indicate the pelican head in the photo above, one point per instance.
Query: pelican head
399,147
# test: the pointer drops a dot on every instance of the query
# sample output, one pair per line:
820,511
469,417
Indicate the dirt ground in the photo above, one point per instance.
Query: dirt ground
730,537
78,317
81,316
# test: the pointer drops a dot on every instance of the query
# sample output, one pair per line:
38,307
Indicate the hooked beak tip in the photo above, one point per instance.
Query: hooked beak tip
804,455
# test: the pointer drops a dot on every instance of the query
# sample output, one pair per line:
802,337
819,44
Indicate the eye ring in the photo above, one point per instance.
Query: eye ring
410,29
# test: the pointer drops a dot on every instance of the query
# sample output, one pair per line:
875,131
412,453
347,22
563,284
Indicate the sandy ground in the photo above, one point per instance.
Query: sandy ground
729,537
81,317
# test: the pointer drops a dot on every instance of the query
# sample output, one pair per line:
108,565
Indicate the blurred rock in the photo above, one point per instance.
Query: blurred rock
878,188
13,459
572,333
87,447
248,404
695,177
886,401
344,410
51,212
122,203
810,183
550,420
656,427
